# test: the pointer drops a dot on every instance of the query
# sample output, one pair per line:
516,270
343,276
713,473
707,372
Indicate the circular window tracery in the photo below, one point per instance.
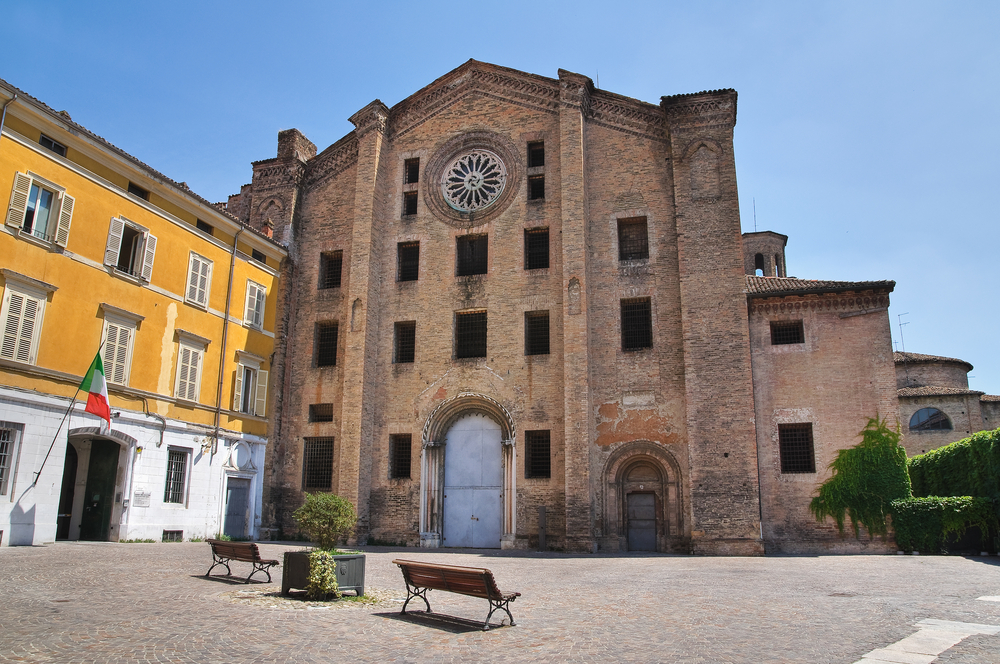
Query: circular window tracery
474,180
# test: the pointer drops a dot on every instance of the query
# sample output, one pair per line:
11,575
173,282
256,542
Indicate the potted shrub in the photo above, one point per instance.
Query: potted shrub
324,571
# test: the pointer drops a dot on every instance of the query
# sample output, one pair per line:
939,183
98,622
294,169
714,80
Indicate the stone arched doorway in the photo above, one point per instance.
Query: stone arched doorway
642,498
93,484
467,461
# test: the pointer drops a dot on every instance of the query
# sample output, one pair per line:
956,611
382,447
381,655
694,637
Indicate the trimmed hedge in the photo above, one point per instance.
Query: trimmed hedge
969,467
929,524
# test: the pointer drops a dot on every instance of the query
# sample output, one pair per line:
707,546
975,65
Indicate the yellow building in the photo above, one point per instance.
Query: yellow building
98,250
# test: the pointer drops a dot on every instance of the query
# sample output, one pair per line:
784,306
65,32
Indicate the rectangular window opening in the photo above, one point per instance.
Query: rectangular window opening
536,187
470,334
536,154
176,473
404,348
633,239
637,324
52,145
317,464
471,253
409,203
258,256
536,248
331,266
321,412
7,454
400,453
407,261
173,536
326,344
536,333
204,227
787,332
136,190
538,458
795,442
411,171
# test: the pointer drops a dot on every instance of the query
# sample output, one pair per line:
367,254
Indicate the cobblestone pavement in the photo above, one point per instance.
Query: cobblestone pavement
104,602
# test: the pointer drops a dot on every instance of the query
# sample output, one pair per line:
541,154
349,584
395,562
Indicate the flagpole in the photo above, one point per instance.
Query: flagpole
72,403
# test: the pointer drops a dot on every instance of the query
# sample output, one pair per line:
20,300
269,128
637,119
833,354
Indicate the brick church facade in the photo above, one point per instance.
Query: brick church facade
510,292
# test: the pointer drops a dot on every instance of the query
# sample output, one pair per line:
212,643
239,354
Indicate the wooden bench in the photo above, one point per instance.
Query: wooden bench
471,581
224,552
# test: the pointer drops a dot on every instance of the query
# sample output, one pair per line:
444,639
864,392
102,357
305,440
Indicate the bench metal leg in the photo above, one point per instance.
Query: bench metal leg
216,561
494,605
258,567
413,591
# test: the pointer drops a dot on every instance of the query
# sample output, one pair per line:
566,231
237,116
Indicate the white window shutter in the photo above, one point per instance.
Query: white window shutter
27,332
260,406
193,375
148,253
206,281
238,392
19,200
15,305
116,353
248,317
65,218
183,364
114,242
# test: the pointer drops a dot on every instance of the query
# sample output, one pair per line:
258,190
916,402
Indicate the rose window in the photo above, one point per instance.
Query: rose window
473,180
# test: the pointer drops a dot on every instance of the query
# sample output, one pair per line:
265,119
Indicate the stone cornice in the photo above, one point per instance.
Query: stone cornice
373,116
716,108
840,303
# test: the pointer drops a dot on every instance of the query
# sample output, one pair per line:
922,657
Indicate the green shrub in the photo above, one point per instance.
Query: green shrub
969,467
928,524
322,583
866,479
326,518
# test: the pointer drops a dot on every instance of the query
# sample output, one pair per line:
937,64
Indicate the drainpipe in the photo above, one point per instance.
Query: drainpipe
3,117
225,332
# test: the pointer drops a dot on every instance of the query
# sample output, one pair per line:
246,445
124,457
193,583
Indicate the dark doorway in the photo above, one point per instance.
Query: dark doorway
67,493
641,522
237,507
95,525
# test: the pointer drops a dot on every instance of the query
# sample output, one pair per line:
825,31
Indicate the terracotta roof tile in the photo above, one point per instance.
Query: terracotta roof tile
934,391
990,397
777,286
917,358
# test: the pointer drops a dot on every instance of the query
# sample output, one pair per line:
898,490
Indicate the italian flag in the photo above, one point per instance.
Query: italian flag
97,390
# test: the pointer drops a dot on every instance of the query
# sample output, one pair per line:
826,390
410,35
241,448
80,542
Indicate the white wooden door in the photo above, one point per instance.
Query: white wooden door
473,478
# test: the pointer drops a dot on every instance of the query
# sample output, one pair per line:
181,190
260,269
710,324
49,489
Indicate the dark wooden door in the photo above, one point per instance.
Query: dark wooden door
99,498
641,522
67,494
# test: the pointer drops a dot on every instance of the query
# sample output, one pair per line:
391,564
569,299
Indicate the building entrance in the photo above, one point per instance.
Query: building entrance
237,507
473,483
99,498
641,522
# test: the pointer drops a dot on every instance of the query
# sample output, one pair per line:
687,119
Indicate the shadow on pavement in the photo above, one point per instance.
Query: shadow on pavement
440,621
230,580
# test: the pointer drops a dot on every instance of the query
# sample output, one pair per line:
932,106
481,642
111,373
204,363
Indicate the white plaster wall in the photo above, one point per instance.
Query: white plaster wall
28,513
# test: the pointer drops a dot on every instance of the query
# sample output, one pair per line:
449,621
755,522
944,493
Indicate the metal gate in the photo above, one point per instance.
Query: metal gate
237,507
473,479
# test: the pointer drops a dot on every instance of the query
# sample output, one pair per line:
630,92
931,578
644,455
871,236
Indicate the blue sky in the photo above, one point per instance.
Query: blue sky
867,131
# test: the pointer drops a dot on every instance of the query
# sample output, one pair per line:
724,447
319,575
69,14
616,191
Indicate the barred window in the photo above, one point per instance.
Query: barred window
537,461
471,253
787,332
795,442
321,412
633,239
536,248
407,261
176,474
930,419
405,343
637,324
536,154
470,334
536,333
409,203
317,464
400,451
536,187
8,438
331,265
411,171
326,344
